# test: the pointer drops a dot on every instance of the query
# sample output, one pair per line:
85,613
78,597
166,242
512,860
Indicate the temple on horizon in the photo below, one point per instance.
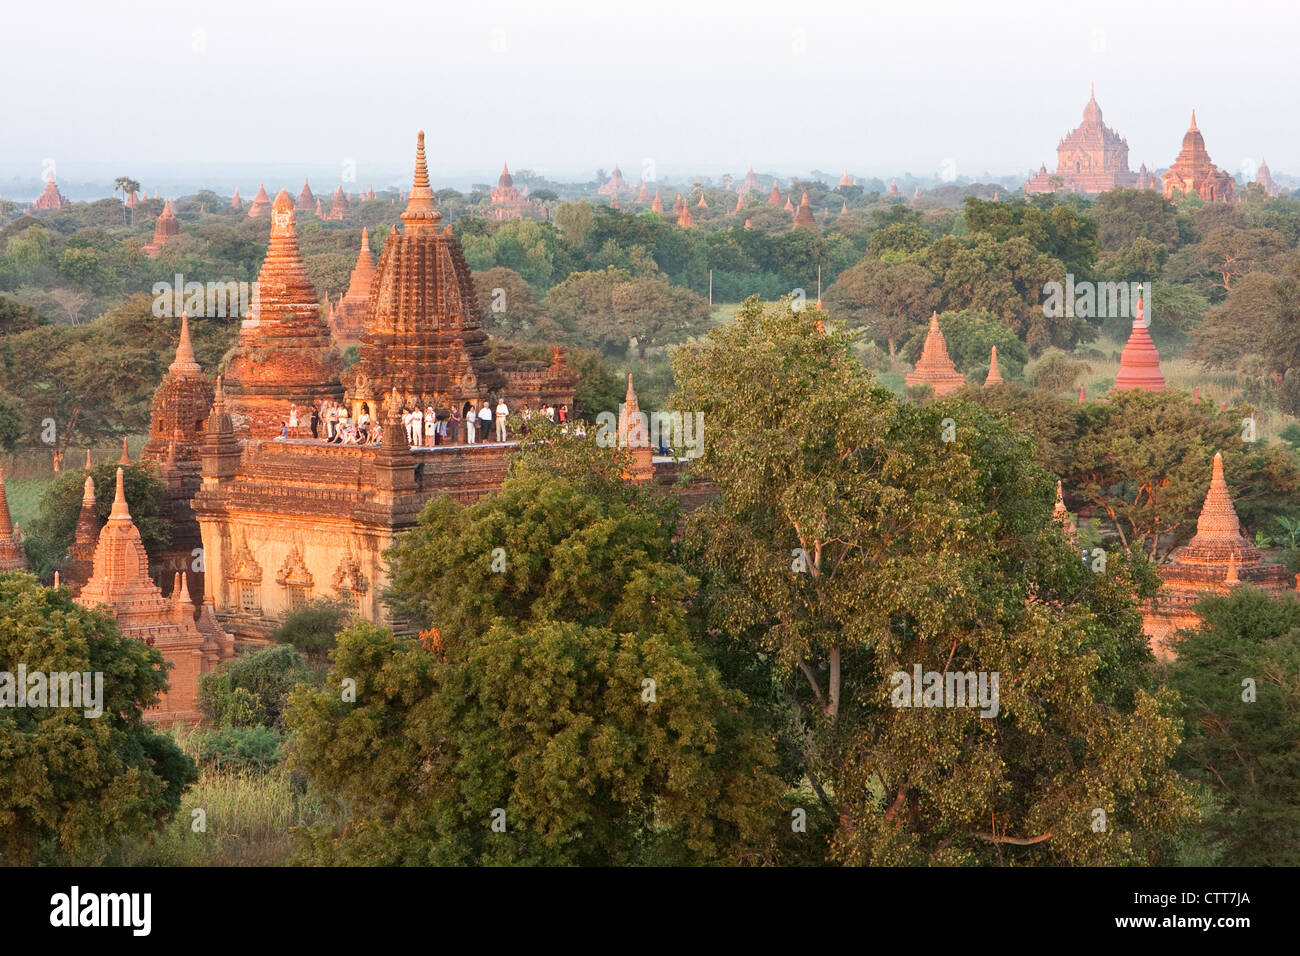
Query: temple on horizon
1092,158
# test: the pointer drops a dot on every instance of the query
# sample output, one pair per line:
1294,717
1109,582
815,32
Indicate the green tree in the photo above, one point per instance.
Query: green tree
74,786
840,555
527,692
885,299
1243,751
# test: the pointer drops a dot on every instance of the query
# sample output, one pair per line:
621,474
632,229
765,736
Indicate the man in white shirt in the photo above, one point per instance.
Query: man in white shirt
502,412
485,421
417,426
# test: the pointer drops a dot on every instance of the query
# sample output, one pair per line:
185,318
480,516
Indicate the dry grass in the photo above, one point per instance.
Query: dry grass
249,820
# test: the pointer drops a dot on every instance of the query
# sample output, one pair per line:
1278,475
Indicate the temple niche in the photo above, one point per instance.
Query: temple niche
1217,559
1193,174
1092,158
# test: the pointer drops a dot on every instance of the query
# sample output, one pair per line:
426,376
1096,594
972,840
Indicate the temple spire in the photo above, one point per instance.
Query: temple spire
421,212
1193,126
126,458
995,376
119,512
185,361
1218,518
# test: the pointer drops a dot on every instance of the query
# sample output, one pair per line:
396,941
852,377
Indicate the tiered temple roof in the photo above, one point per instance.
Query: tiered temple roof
1139,363
164,229
1265,179
261,204
120,581
1194,173
774,197
803,218
284,355
339,204
12,555
1217,558
684,218
846,179
81,553
1090,159
507,200
657,205
634,436
50,198
347,317
750,183
306,199
934,367
616,184
424,337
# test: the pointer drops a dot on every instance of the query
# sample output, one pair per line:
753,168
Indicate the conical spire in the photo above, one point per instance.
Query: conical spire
88,491
421,212
87,459
126,458
1193,126
1059,513
1083,395
995,376
1218,518
6,521
12,555
803,218
184,361
119,512
1231,577
934,367
1139,363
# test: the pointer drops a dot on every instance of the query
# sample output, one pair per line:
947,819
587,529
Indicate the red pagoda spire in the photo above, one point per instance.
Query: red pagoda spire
306,201
994,376
12,555
658,204
934,367
261,203
1139,364
803,219
236,203
774,197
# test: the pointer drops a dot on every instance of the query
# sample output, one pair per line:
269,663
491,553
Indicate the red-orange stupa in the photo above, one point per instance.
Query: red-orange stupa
994,376
1139,363
284,355
339,206
50,198
803,217
1193,173
1218,558
306,200
12,555
934,367
167,227
347,317
774,197
236,203
261,204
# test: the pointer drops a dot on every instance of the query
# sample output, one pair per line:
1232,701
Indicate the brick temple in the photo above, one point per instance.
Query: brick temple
1194,174
167,227
347,316
1092,158
50,198
935,368
1217,559
1139,363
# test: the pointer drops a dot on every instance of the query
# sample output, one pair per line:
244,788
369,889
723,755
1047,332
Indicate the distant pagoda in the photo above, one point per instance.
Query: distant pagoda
50,198
167,227
1092,158
339,206
1193,174
261,204
306,200
1217,559
12,555
1139,363
934,367
803,217
347,317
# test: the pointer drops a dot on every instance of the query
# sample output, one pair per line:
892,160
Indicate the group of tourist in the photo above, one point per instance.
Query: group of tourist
471,423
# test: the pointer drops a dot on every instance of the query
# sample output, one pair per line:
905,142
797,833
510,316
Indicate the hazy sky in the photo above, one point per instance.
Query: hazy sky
565,87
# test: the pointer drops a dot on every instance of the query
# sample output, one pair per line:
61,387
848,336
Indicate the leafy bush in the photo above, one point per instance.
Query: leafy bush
252,690
311,629
240,748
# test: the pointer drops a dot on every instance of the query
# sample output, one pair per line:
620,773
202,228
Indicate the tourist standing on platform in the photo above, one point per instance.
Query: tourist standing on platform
332,421
363,424
417,426
485,421
471,423
453,425
315,422
502,411
431,426
293,421
564,413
